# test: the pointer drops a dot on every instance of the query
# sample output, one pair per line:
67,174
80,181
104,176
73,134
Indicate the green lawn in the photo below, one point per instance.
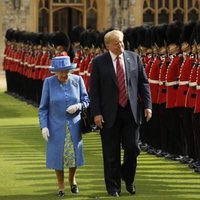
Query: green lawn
23,175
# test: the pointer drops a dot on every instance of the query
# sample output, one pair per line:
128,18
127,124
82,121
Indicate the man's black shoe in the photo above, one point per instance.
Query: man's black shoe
61,193
74,189
130,188
113,194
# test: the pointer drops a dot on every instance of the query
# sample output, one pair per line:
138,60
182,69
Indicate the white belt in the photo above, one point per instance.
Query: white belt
43,66
161,82
183,82
198,87
171,83
16,60
31,65
153,81
192,84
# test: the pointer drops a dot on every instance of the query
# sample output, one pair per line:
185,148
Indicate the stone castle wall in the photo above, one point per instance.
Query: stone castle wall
13,17
25,16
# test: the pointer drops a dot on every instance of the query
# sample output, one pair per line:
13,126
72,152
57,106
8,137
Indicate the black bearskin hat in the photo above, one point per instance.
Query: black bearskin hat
173,32
141,35
148,37
9,34
127,36
187,32
76,33
61,39
92,38
195,37
134,40
161,35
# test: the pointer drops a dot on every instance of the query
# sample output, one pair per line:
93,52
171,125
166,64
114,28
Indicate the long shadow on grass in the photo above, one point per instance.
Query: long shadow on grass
11,107
156,179
8,112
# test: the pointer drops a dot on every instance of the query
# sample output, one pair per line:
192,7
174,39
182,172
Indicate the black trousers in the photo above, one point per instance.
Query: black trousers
124,134
174,138
197,135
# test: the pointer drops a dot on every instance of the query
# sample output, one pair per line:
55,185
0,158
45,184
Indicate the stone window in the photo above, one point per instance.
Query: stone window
62,15
43,16
165,11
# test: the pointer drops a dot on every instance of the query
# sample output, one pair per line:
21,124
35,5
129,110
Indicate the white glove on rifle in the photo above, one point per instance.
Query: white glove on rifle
73,108
45,133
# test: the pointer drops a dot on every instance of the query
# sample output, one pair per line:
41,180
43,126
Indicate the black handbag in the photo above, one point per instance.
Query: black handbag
86,125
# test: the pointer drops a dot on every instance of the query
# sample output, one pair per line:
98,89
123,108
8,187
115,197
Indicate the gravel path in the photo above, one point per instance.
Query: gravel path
2,80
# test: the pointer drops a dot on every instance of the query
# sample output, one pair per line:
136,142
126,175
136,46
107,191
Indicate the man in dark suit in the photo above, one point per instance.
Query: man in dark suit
116,102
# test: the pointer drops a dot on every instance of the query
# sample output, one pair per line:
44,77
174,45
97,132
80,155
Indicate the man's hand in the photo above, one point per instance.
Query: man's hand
45,133
148,114
98,120
73,108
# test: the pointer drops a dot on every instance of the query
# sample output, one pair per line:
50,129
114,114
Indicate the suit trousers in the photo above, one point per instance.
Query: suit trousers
124,134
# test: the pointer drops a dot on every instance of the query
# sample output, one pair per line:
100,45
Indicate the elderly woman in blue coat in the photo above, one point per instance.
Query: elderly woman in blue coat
63,96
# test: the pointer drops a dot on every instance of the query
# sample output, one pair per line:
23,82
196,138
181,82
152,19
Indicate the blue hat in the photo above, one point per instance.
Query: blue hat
61,63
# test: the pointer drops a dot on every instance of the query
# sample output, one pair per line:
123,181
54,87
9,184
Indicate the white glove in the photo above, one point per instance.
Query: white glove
73,108
45,133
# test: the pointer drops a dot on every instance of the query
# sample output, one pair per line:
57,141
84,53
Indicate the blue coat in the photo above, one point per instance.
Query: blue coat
53,115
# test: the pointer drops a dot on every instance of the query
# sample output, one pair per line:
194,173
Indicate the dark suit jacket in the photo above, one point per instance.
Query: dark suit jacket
104,90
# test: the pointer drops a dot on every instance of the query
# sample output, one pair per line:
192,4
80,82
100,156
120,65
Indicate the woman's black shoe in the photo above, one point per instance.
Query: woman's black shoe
74,189
61,194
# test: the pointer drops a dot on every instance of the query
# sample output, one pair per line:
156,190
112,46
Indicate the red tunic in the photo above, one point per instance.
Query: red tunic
89,69
43,65
6,50
38,56
10,58
82,67
148,65
162,75
77,60
192,92
172,76
183,81
197,102
154,79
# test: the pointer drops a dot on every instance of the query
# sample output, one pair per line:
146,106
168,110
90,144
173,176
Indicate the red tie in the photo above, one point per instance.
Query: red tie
121,83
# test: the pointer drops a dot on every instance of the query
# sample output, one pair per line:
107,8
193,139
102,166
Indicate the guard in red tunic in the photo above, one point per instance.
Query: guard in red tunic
197,102
185,116
43,60
147,51
137,44
192,92
77,50
195,42
196,121
9,59
186,65
174,143
161,96
58,46
61,43
91,43
77,59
